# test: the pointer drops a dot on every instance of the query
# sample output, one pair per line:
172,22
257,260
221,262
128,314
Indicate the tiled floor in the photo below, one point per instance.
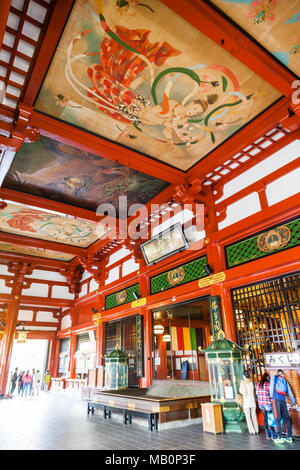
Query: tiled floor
58,421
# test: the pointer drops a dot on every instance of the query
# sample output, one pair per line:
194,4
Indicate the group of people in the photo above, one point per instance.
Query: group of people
271,395
29,383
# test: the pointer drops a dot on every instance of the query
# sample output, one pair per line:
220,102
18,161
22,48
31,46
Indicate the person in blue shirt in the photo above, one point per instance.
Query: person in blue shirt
279,388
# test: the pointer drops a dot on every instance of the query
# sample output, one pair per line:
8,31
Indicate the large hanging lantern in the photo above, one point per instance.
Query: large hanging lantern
22,336
158,329
167,338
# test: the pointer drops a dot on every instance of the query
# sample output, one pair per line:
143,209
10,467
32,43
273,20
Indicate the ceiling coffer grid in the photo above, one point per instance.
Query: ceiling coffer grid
26,26
249,156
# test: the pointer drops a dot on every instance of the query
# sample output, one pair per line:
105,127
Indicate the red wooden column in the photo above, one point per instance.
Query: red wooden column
72,364
12,316
100,342
147,379
56,359
100,326
52,355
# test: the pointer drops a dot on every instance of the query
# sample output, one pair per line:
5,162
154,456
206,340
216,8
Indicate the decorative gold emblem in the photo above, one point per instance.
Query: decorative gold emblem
274,239
176,276
121,297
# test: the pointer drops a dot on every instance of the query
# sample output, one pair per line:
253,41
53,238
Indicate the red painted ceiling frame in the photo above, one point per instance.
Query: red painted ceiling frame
43,61
206,19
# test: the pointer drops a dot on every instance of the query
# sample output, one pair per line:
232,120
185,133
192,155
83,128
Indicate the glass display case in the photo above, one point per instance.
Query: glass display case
116,370
225,369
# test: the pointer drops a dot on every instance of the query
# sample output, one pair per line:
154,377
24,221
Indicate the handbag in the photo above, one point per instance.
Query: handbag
239,399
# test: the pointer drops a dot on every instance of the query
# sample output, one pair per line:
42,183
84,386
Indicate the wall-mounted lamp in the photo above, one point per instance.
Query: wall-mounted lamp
208,269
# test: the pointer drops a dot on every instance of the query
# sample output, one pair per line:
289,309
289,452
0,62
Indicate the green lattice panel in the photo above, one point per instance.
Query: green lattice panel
193,270
111,300
247,250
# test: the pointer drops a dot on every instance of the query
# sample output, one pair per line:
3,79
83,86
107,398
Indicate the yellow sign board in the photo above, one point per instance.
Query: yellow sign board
139,302
214,279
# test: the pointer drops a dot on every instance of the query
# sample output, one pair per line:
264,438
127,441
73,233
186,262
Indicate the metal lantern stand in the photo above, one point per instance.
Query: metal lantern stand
225,368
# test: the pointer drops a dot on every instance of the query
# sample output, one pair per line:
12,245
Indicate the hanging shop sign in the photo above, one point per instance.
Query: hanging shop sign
216,317
214,279
282,359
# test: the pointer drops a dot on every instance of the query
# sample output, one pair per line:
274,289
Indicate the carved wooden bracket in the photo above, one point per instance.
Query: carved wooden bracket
94,264
21,131
73,274
19,270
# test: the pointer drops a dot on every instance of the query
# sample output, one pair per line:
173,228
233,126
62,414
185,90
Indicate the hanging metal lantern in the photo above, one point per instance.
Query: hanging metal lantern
158,329
167,338
22,336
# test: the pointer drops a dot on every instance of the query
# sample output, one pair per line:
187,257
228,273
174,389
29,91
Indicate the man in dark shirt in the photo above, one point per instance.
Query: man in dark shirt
14,379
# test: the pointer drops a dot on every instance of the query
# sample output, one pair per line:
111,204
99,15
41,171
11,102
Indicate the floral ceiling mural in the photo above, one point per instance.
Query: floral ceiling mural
40,252
129,71
63,173
275,24
25,221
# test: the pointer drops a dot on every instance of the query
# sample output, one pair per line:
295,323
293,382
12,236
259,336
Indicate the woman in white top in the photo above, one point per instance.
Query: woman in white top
36,383
249,403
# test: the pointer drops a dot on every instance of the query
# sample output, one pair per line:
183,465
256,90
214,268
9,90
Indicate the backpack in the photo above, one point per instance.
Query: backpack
280,386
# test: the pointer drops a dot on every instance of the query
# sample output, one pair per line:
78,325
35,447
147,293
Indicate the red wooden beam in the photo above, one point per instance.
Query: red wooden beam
96,145
38,301
207,20
47,264
51,38
40,323
38,243
47,204
4,12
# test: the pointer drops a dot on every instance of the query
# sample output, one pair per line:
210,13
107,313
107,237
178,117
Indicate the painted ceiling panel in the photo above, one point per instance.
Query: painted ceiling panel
29,222
130,72
40,252
63,173
275,24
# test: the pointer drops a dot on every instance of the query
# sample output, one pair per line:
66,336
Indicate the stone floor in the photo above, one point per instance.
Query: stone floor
59,421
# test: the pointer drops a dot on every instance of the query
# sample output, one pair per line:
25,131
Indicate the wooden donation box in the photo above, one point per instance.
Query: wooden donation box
116,370
212,417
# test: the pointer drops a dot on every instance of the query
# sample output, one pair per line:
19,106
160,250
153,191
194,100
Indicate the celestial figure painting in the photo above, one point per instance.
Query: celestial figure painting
129,72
